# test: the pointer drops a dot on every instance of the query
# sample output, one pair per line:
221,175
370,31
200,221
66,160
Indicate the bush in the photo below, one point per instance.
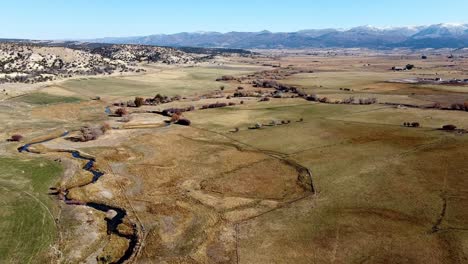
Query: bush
16,138
226,78
105,127
139,101
349,100
175,117
121,112
324,100
449,127
312,97
93,132
215,105
415,124
367,101
409,66
171,111
183,122
458,107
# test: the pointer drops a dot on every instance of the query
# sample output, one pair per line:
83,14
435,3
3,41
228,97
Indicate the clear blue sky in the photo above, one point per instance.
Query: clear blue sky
55,19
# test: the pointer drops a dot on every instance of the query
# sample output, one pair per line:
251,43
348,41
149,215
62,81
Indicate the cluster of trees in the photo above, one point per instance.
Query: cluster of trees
367,101
161,99
121,112
177,118
350,100
172,111
460,107
140,101
408,67
93,132
226,78
214,105
411,124
449,127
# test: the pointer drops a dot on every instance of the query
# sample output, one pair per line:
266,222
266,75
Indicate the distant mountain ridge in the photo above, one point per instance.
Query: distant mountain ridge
432,36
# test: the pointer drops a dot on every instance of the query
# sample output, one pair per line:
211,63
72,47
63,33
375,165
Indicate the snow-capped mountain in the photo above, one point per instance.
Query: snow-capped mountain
442,31
432,36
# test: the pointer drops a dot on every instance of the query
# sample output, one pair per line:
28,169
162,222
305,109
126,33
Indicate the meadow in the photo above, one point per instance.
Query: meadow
27,219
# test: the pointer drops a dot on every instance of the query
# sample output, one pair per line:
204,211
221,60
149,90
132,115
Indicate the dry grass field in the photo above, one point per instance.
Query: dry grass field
218,191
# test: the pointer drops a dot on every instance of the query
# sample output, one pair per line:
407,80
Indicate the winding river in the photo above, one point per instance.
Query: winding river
114,222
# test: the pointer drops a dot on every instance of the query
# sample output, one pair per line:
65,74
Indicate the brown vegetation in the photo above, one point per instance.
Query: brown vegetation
89,133
16,138
139,101
121,112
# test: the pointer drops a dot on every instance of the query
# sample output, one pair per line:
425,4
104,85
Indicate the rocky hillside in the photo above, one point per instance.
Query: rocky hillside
31,63
138,53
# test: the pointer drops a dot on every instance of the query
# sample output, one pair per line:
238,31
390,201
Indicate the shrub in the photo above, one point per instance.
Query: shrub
349,100
183,122
367,101
175,117
449,127
16,138
121,112
409,66
312,97
225,78
458,107
105,127
131,103
139,101
171,111
324,100
215,105
415,124
264,99
93,132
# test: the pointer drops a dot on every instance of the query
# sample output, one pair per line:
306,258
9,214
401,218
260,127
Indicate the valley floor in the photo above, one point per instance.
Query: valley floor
317,183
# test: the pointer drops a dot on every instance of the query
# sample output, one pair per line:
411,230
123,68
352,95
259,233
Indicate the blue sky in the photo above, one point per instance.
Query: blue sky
54,19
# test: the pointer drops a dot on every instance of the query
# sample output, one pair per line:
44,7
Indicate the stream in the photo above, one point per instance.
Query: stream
114,222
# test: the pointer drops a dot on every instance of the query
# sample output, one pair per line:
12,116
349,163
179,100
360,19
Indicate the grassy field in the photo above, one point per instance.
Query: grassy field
39,98
27,225
179,81
380,186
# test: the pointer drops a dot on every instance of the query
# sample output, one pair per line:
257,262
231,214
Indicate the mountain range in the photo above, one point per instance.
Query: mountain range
431,36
